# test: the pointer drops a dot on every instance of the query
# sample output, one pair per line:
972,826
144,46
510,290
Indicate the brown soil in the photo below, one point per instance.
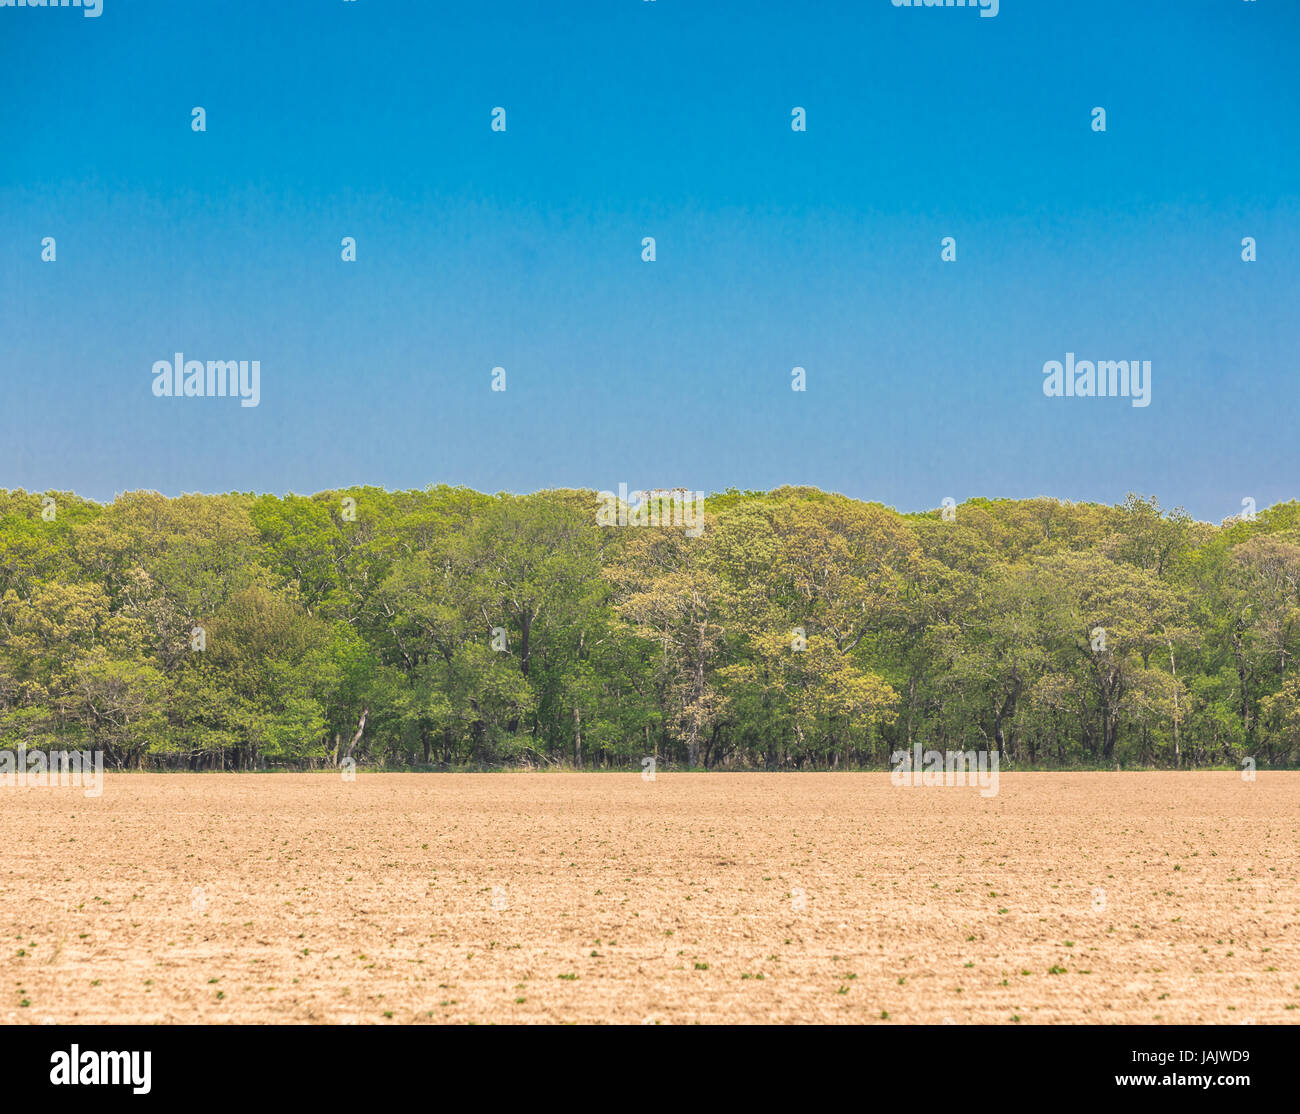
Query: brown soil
695,897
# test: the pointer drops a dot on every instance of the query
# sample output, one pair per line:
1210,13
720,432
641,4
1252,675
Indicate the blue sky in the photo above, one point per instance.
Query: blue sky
628,118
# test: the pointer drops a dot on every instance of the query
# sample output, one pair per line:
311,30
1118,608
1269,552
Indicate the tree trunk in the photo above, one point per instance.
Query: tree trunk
693,738
361,727
1178,754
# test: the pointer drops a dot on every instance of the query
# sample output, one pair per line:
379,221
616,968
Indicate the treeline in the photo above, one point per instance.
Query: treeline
446,628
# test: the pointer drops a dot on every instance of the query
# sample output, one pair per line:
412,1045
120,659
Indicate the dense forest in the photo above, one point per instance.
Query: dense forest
447,628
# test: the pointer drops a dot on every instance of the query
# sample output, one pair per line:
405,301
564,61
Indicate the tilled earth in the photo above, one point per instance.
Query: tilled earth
604,897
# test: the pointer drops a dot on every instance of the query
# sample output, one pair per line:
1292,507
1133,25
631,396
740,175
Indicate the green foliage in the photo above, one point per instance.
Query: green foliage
802,629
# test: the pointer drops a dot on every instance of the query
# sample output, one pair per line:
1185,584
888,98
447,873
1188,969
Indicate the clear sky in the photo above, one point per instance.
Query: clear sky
671,119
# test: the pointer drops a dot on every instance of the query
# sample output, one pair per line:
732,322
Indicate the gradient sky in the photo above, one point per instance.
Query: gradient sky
671,119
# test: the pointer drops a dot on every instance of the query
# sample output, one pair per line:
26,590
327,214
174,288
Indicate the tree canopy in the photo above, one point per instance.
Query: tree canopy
800,629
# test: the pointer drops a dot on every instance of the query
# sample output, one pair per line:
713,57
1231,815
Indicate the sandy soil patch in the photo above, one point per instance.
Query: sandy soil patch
1091,897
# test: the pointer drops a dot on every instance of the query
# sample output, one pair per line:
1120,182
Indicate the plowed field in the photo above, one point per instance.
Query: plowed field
397,898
